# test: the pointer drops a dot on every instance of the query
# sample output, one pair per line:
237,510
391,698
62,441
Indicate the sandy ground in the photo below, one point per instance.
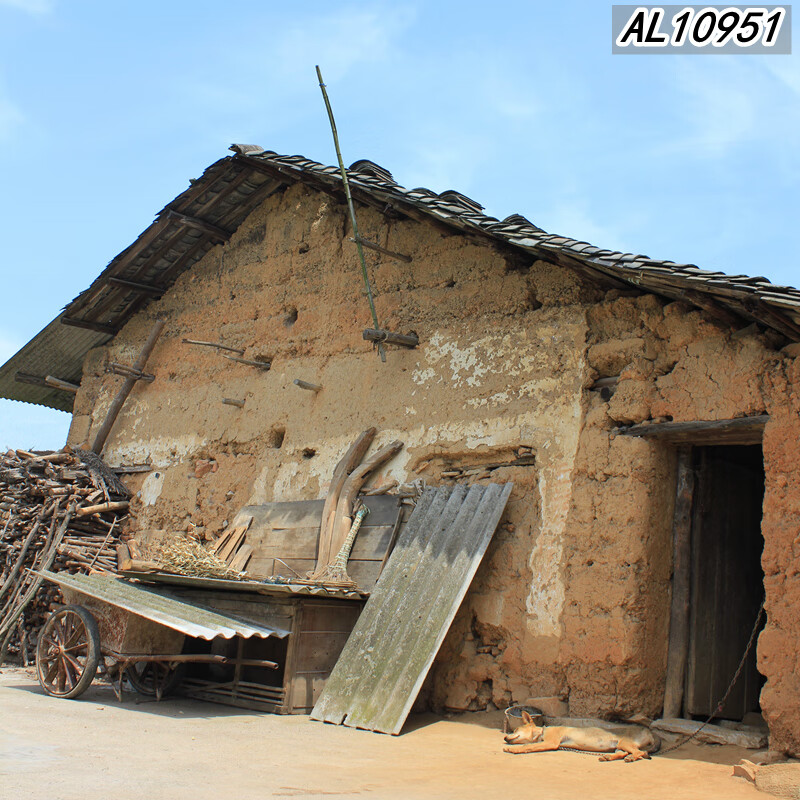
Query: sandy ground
95,747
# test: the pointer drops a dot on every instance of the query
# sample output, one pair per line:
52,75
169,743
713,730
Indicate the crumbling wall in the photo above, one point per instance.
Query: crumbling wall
572,599
673,363
498,375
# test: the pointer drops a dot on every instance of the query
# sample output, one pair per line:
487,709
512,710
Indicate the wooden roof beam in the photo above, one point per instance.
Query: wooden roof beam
199,224
89,325
137,286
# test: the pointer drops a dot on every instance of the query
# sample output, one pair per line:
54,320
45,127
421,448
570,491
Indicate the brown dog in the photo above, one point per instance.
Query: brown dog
530,738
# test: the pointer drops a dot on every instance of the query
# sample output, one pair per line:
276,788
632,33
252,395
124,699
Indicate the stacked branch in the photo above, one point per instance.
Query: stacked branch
61,511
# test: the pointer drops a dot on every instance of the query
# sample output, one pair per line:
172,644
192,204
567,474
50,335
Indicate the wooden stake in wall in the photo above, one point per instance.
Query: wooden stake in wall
127,387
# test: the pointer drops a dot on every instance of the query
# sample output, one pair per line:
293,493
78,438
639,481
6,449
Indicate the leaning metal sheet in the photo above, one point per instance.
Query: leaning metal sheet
180,615
382,667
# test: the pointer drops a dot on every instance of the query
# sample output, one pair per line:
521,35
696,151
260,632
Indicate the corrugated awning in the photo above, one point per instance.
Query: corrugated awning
191,619
385,661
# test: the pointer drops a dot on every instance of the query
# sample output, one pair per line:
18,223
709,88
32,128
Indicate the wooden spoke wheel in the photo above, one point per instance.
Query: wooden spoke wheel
68,652
154,678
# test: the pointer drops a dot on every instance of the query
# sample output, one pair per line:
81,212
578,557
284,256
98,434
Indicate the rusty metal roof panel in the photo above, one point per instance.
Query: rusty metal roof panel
57,351
189,618
384,663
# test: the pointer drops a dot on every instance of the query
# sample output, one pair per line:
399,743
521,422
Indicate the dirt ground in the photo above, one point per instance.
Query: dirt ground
96,747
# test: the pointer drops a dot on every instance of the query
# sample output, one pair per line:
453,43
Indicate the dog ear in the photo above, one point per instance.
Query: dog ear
527,718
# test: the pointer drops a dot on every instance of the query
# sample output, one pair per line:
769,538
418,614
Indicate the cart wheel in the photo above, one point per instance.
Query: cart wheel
68,652
154,679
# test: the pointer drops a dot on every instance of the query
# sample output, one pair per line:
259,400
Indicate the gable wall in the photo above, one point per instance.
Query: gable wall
572,599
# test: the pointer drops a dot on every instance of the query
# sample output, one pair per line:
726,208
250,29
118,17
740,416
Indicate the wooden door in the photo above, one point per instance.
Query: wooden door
727,582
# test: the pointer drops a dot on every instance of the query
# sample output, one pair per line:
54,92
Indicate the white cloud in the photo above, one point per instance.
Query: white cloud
35,7
340,41
253,75
728,103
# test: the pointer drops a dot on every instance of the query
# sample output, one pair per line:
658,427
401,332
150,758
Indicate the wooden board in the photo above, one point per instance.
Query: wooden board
392,647
289,533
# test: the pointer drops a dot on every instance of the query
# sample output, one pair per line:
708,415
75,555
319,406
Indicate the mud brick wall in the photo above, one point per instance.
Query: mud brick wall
573,597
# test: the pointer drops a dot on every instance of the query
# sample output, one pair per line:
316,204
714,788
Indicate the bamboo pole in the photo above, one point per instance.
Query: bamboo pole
356,235
127,388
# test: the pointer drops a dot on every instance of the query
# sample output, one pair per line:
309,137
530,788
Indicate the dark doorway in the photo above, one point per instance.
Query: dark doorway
727,583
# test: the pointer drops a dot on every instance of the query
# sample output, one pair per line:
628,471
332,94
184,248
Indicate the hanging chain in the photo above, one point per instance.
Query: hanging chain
717,710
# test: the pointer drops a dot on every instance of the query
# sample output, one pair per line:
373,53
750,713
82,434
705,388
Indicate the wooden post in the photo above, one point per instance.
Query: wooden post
678,647
127,387
401,339
312,387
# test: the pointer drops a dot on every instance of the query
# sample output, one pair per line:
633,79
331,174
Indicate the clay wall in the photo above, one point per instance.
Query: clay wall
500,367
572,599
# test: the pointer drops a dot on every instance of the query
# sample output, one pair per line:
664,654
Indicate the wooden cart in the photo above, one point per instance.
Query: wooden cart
97,625
238,643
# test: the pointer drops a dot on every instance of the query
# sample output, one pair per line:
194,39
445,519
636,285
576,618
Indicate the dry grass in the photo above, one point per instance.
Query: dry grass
186,556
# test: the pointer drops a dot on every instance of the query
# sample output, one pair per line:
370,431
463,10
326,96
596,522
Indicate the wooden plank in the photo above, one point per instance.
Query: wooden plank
239,561
392,647
743,430
227,551
222,540
364,573
370,544
681,570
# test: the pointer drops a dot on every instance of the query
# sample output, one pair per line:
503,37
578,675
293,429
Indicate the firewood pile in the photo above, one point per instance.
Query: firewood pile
61,511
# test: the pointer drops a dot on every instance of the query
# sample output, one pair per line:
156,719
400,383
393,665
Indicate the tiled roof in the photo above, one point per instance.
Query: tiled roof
215,205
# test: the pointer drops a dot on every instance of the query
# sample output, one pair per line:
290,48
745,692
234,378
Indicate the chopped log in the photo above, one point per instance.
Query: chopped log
387,337
681,563
348,462
123,557
229,401
127,387
118,505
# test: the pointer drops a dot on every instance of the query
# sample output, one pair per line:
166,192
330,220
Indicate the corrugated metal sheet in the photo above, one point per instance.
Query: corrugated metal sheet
382,667
189,618
56,350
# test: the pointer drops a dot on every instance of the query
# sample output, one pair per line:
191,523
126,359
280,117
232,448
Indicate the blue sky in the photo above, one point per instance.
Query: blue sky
107,110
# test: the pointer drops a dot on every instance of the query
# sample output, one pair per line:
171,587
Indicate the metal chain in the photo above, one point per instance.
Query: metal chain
721,703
